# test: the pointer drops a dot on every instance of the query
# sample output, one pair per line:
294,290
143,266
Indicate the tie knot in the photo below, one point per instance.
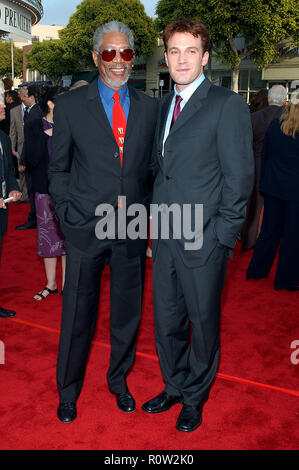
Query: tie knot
116,96
178,100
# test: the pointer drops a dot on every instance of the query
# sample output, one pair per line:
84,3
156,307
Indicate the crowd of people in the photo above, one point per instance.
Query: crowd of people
199,144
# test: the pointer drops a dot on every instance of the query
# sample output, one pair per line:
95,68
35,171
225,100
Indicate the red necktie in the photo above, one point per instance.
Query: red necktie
177,110
119,125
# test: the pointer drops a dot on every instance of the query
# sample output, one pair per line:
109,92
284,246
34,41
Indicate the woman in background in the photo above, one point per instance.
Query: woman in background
50,240
280,185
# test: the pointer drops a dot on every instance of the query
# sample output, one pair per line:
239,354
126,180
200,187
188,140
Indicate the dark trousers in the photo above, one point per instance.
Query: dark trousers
280,226
3,225
80,308
31,196
254,208
183,297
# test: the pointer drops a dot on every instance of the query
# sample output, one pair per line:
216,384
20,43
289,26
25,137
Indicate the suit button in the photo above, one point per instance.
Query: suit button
168,177
116,155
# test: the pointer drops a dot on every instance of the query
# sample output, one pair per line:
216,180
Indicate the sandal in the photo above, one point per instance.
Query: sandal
42,296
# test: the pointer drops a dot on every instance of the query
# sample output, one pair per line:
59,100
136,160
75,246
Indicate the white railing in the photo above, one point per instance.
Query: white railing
36,4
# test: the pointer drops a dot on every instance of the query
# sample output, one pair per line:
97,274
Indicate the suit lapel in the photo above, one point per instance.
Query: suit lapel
192,106
135,113
96,108
164,113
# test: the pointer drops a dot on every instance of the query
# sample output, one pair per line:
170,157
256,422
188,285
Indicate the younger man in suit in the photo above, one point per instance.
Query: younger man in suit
204,156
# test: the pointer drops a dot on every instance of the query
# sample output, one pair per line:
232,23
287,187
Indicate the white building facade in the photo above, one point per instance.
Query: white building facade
18,16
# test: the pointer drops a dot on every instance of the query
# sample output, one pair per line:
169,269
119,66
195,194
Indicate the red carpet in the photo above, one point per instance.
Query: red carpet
253,403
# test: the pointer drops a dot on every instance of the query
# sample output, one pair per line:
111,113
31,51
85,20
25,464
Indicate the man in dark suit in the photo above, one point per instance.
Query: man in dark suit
102,143
204,156
32,111
260,120
8,188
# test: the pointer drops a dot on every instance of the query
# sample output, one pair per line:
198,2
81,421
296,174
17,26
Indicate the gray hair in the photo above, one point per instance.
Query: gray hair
277,94
22,90
111,27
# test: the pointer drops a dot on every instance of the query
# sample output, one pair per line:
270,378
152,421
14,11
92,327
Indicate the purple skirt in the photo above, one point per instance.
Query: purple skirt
50,240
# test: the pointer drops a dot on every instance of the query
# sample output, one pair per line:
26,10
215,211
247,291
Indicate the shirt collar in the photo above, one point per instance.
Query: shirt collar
190,89
107,93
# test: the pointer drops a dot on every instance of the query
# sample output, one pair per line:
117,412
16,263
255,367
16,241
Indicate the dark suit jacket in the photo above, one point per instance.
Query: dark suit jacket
37,157
85,169
280,164
208,160
34,113
260,121
9,177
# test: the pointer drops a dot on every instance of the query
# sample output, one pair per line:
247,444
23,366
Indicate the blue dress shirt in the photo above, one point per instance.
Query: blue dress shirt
106,94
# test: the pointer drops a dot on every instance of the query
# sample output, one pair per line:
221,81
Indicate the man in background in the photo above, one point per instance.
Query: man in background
8,188
16,134
260,120
32,111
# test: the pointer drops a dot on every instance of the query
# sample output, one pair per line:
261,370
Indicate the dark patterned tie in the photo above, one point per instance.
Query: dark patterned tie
177,110
26,112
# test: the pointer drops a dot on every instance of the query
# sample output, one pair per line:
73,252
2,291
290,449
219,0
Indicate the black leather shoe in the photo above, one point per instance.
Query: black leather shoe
125,402
290,288
162,402
26,226
67,412
189,419
6,313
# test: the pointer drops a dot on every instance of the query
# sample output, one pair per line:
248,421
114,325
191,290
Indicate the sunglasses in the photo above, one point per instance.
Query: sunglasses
109,54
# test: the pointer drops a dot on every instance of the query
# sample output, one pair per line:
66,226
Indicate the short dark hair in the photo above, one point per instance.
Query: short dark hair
187,25
14,95
33,91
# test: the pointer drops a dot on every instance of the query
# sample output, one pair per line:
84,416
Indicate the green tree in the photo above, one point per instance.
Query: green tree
48,57
77,37
5,60
263,25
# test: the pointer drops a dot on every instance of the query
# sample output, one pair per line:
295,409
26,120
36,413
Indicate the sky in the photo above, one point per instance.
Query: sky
58,12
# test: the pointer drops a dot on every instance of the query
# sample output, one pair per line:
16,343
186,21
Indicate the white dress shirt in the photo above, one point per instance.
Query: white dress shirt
186,95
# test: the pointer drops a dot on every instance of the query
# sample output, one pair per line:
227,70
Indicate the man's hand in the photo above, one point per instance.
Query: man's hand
15,194
21,168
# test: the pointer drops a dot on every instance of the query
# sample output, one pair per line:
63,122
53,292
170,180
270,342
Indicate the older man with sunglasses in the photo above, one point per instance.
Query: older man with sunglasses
102,144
